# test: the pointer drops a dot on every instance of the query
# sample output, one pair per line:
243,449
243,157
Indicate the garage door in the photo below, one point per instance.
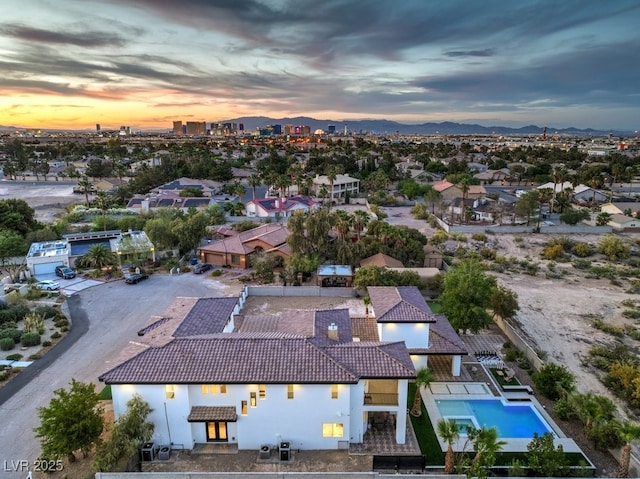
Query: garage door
46,268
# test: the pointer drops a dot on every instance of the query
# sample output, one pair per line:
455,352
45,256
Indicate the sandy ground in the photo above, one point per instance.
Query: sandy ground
48,199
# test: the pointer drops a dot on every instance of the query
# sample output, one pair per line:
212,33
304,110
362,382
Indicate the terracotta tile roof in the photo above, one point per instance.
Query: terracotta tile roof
399,305
443,339
272,234
381,259
442,185
365,329
374,360
207,316
337,317
212,413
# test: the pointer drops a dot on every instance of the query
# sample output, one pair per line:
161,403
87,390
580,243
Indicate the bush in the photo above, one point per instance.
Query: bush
56,335
554,381
14,357
46,343
47,311
216,272
553,252
582,250
30,339
479,237
14,334
7,344
8,325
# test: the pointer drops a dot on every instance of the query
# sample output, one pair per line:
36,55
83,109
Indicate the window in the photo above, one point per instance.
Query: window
289,391
334,391
243,407
223,389
217,432
332,430
214,388
235,259
263,391
253,399
170,391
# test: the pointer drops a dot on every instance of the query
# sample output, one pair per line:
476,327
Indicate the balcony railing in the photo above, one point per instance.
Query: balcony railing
381,399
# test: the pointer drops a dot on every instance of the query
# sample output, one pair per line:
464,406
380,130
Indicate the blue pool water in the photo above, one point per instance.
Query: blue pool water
511,420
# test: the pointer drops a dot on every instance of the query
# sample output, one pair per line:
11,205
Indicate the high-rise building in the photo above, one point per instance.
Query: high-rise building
98,127
177,128
196,128
331,129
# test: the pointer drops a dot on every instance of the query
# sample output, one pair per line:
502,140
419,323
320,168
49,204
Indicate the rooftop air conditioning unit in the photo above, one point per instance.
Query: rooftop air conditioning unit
164,453
285,450
148,452
265,451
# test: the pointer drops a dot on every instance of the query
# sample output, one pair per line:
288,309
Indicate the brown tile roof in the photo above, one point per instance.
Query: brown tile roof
365,329
381,259
207,316
443,339
442,185
402,304
272,234
374,360
212,413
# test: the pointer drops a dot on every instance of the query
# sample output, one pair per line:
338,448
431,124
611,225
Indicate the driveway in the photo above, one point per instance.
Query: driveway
110,314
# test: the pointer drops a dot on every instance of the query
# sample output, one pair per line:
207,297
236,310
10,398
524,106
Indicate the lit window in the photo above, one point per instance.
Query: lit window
263,391
253,399
170,391
223,389
205,389
334,391
244,407
289,391
332,430
235,259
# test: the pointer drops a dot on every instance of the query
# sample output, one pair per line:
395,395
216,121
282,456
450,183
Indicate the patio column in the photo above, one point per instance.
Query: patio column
456,361
401,417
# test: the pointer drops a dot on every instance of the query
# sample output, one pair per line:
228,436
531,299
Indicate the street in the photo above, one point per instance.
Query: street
113,313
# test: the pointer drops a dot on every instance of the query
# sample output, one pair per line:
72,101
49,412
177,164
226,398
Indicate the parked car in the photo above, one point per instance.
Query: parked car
201,268
135,278
65,272
48,285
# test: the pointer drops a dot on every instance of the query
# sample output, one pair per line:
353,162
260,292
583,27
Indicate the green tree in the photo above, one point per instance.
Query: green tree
17,215
102,201
189,231
573,217
85,187
12,250
98,257
449,432
486,445
160,232
130,430
424,377
629,432
554,381
466,296
254,181
72,421
191,192
504,302
544,459
528,205
613,248
603,219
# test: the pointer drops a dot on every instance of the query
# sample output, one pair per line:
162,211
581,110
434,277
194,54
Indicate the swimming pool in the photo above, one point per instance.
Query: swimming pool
511,420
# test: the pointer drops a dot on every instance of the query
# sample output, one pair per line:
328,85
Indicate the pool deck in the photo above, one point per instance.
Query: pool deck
464,391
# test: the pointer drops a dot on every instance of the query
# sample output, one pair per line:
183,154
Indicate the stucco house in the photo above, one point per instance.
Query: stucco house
235,251
402,314
279,208
343,185
311,379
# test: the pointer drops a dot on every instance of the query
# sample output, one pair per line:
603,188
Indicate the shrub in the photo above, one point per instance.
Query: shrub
479,237
564,409
14,357
554,381
216,272
582,250
604,434
47,311
30,339
7,344
14,334
56,335
488,253
553,252
46,343
35,357
8,325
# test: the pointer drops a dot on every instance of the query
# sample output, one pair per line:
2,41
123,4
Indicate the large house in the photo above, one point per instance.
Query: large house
342,186
312,379
235,251
279,208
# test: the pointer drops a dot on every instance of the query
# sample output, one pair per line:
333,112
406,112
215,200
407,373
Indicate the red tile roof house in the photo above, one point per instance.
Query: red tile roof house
310,378
278,208
403,314
235,251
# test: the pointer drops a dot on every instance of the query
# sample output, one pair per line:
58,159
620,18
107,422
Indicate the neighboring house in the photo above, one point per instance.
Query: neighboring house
620,208
313,379
624,223
208,187
559,187
235,251
43,257
448,191
492,176
109,184
343,185
279,208
381,260
586,194
403,314
169,199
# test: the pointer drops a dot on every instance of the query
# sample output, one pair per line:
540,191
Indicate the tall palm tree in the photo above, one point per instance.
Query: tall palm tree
485,445
629,432
424,377
102,201
449,432
85,186
254,181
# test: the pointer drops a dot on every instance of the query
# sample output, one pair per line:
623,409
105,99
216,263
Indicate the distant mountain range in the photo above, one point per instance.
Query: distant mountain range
391,127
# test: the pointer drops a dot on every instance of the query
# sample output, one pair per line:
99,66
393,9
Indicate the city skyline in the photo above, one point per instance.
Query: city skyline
146,63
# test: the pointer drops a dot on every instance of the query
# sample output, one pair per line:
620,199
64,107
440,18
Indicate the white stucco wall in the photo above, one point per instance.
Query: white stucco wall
414,335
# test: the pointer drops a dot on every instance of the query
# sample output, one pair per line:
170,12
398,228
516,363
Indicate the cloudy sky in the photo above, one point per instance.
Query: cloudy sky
145,63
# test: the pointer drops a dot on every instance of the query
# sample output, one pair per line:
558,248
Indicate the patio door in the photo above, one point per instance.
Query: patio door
217,431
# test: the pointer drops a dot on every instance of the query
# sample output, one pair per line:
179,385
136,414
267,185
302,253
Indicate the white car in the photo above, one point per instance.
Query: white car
48,285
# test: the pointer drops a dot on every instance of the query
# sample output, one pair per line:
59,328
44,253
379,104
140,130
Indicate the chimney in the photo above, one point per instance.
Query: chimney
332,332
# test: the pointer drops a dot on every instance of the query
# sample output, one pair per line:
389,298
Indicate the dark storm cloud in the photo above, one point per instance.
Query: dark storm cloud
488,52
81,39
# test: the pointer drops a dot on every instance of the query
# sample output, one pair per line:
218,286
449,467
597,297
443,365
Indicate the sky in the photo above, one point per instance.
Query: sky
144,63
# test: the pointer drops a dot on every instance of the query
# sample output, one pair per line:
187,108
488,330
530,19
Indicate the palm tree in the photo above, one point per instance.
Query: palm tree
331,176
98,257
254,181
629,432
424,377
449,432
85,186
102,201
485,445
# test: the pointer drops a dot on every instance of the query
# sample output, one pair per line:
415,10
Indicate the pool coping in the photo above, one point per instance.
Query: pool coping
429,398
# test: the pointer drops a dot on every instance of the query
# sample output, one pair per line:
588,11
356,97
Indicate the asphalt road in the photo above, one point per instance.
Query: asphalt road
106,317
